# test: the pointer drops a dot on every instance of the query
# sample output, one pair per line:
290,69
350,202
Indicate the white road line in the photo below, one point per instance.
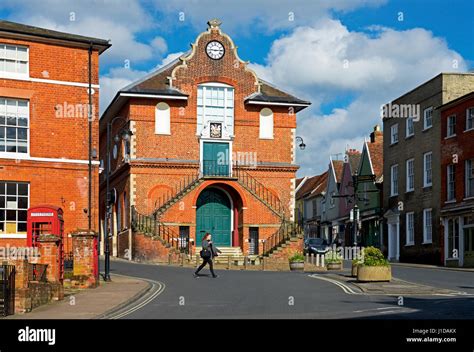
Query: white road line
156,292
380,310
348,290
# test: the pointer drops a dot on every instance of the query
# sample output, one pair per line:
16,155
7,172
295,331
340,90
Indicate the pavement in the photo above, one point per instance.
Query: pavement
100,302
395,287
426,266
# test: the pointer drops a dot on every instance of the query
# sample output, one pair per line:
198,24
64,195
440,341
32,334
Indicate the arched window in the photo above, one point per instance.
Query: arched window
162,119
266,123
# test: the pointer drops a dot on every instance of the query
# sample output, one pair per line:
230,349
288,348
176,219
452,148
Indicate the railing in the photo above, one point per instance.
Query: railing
188,182
215,168
150,226
259,190
286,231
7,290
37,272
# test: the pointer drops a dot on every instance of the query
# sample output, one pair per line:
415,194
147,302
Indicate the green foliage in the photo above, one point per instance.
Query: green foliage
332,257
296,257
374,257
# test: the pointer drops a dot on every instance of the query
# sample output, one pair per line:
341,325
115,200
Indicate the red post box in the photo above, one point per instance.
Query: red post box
46,220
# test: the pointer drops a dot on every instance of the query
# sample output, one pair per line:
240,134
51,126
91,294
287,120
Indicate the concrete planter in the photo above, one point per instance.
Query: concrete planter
334,266
374,273
354,270
296,266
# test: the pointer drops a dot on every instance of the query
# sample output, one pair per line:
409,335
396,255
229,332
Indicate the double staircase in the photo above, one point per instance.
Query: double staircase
232,255
152,226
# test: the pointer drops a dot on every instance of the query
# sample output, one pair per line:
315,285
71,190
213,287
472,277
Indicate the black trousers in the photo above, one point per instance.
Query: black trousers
204,262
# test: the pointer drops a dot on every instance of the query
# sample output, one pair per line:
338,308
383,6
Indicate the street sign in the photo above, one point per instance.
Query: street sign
365,178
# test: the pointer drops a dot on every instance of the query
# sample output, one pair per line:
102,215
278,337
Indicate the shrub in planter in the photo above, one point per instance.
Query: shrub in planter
374,266
333,261
296,261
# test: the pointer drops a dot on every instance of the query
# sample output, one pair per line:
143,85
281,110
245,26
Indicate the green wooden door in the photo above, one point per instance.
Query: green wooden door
215,159
213,215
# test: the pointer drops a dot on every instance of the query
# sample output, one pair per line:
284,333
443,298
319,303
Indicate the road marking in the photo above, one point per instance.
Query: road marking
376,309
348,290
157,289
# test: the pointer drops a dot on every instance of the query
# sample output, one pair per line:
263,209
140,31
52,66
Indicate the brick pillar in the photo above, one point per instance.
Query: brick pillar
49,254
85,258
22,293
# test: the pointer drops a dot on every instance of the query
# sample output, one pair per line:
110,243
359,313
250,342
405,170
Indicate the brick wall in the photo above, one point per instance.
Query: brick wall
461,145
146,249
55,135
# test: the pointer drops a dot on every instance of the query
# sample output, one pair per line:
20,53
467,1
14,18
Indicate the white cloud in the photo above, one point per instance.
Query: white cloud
381,65
159,45
119,20
247,16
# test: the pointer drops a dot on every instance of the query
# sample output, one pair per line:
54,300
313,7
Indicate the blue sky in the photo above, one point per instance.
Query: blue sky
384,56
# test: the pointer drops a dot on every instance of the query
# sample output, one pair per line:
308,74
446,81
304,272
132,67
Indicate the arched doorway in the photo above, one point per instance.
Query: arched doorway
213,215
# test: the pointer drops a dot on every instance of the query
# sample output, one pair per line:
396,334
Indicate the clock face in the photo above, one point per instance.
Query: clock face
215,50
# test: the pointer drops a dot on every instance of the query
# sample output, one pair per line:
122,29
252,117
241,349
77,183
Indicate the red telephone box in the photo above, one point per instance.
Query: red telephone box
46,220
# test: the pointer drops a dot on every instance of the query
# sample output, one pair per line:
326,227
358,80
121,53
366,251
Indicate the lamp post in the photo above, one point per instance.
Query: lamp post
125,135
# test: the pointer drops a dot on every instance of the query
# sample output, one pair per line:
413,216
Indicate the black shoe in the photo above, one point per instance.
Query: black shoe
196,275
215,276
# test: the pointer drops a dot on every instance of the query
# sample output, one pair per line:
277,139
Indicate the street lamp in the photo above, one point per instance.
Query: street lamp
301,142
125,135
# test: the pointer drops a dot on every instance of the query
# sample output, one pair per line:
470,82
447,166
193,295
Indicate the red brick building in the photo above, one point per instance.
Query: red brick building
43,126
213,149
457,180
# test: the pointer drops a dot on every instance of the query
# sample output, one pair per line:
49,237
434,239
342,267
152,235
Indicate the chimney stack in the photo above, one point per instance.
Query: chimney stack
374,136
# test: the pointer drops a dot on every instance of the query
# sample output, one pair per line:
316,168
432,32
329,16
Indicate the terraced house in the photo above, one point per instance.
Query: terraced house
413,172
212,150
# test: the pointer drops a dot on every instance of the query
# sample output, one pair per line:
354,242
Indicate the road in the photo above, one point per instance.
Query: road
253,294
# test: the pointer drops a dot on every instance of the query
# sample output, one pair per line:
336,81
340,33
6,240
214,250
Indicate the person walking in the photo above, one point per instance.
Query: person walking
208,252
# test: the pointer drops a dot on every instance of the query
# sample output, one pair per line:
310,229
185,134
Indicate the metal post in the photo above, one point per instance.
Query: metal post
107,207
89,118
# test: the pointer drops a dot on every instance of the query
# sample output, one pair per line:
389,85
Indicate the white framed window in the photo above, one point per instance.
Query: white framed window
394,180
428,118
451,182
14,203
266,123
427,226
470,119
410,128
215,102
427,169
451,126
410,230
14,127
14,61
410,167
469,171
162,119
394,134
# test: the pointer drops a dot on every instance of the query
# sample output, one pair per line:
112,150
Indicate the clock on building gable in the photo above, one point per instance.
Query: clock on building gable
215,50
